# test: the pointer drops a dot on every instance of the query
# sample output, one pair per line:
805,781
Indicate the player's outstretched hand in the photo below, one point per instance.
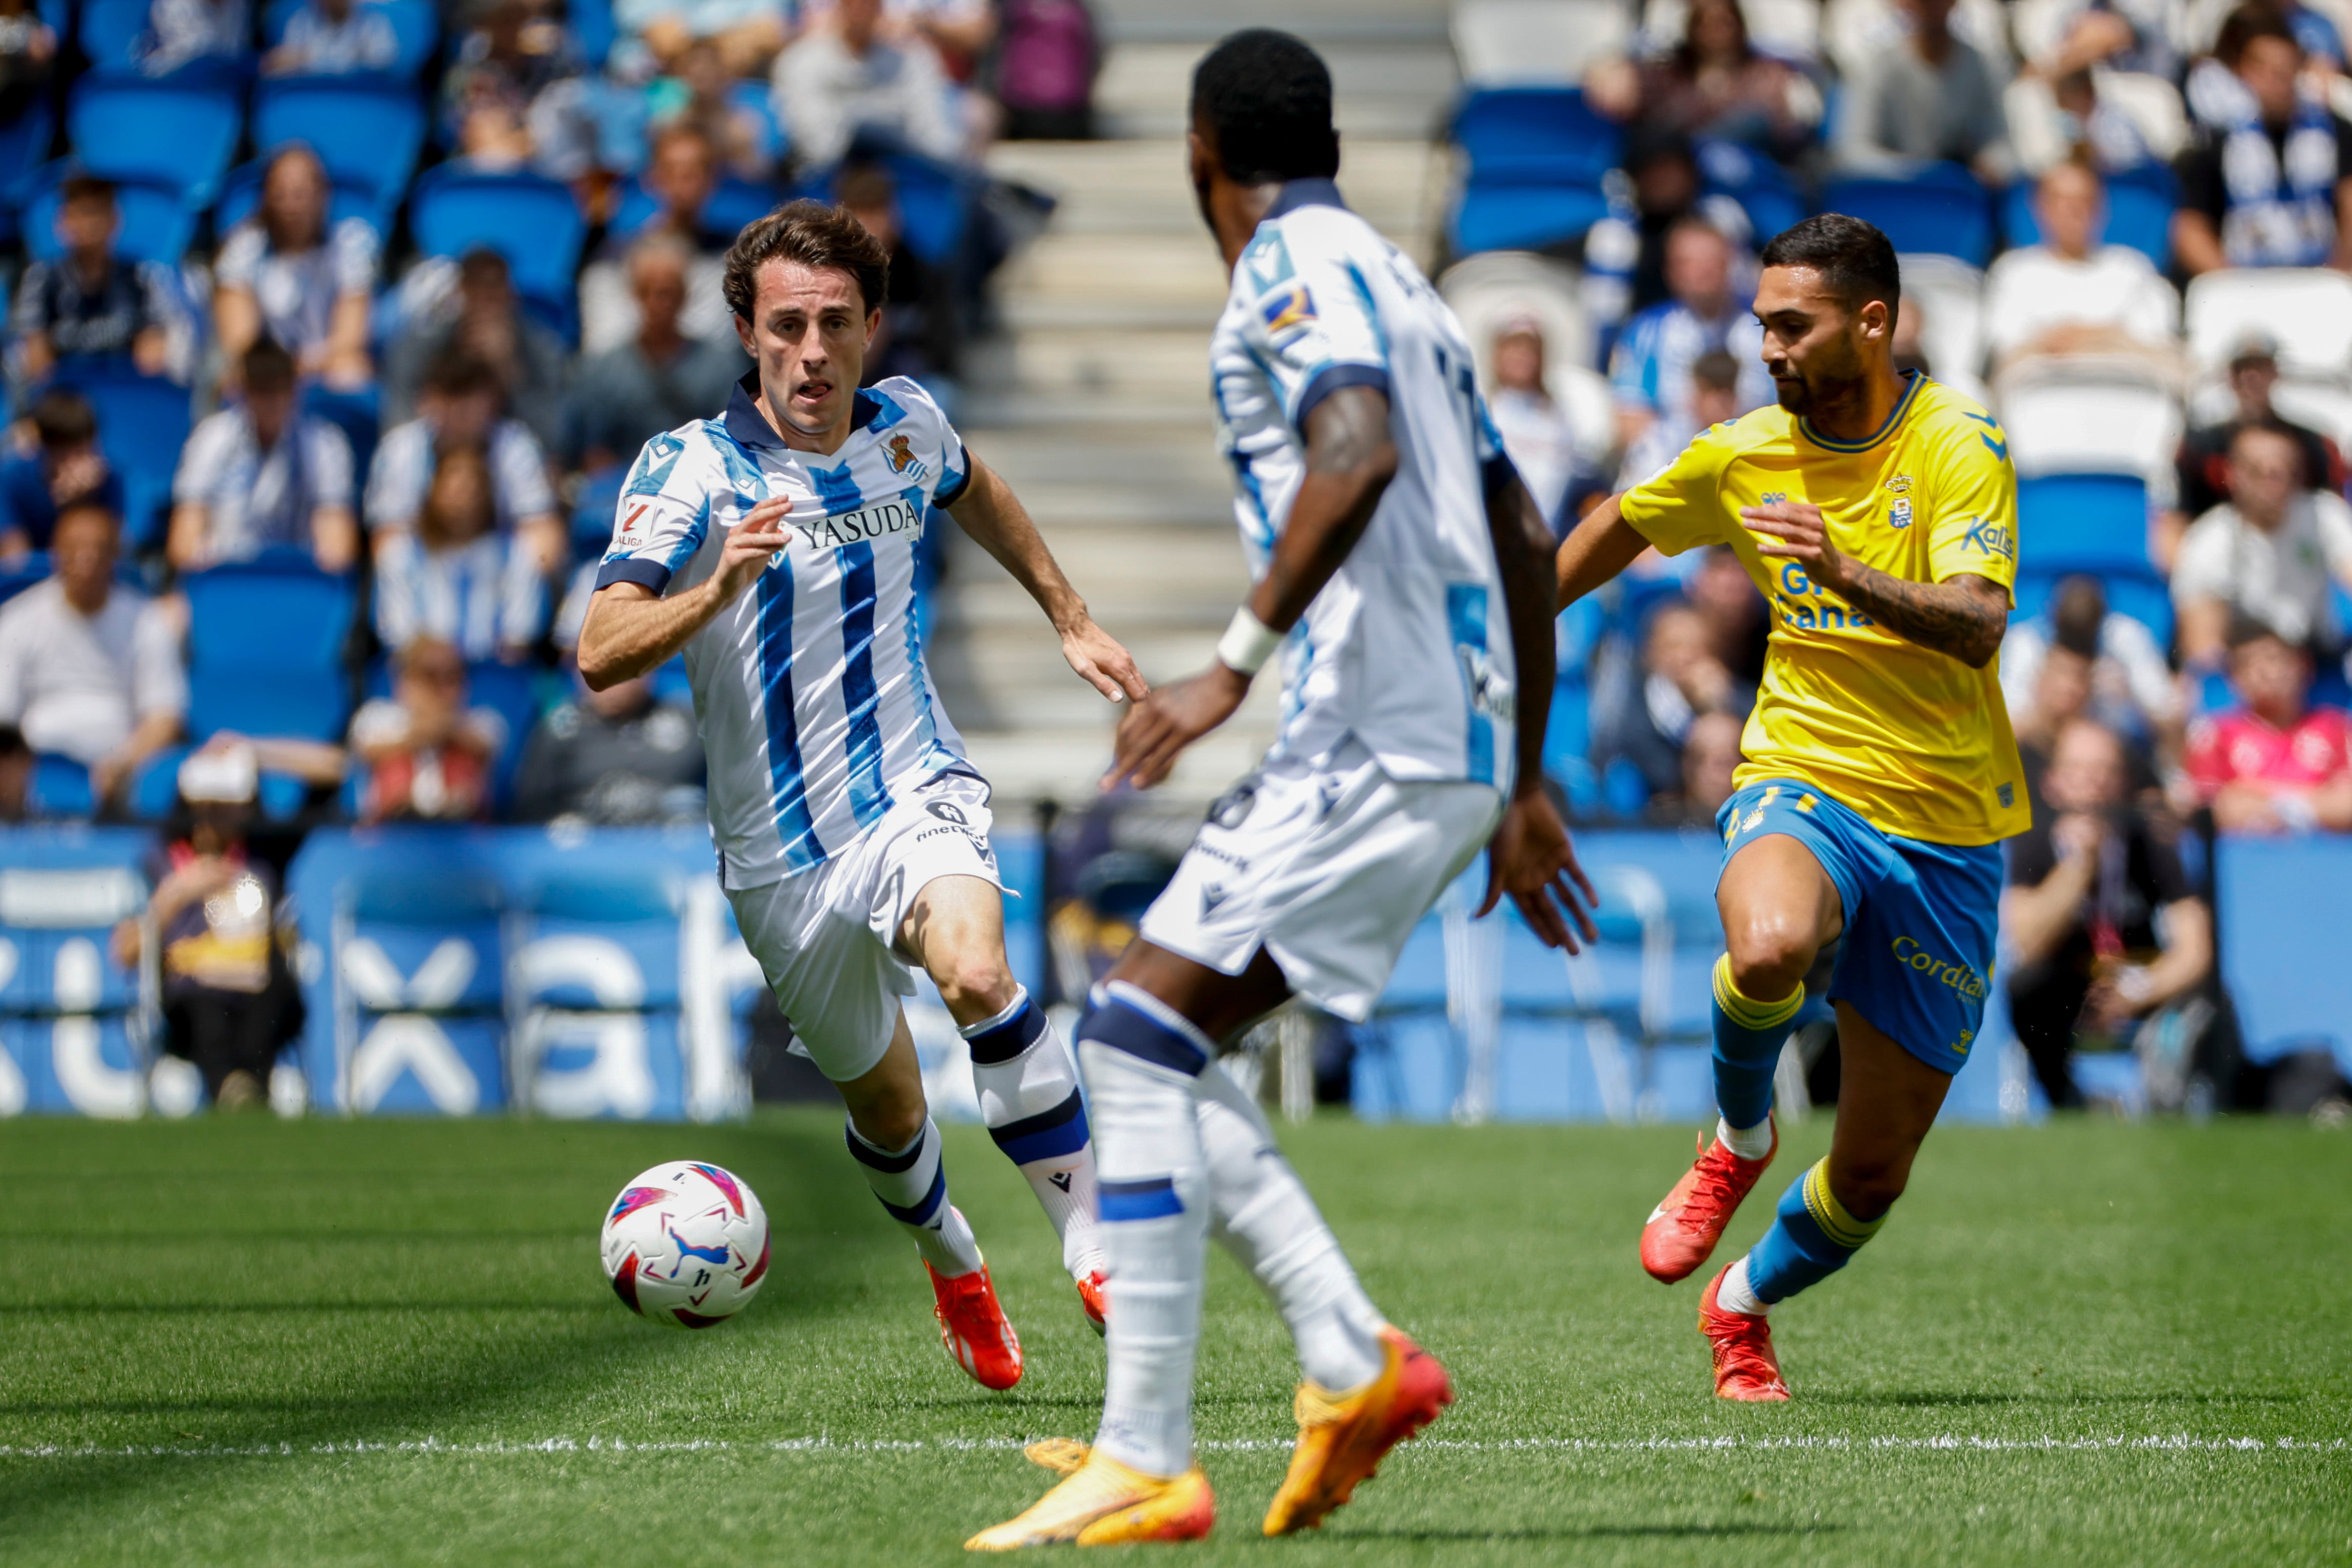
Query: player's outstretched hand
1530,859
1155,732
1793,531
1101,662
750,545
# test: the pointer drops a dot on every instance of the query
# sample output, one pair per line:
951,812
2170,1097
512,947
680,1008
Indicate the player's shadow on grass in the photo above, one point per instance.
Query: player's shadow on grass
1589,1532
399,1388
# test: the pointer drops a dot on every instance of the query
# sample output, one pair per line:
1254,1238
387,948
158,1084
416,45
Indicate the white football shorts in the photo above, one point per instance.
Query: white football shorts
827,938
1328,866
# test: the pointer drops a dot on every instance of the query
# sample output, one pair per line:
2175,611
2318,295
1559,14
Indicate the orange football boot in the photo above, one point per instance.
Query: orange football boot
1745,1367
1343,1437
1101,1502
1683,1230
974,1327
1091,1298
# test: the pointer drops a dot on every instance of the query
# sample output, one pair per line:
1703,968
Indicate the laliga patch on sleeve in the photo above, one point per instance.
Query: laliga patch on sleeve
632,526
1287,310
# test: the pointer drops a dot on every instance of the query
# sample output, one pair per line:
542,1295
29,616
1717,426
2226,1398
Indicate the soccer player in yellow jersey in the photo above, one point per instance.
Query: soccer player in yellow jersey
1877,513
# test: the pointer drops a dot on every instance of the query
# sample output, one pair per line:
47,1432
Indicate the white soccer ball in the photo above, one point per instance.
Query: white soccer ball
687,1245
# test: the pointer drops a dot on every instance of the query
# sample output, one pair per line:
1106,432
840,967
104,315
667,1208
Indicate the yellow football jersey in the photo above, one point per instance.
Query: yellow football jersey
1915,742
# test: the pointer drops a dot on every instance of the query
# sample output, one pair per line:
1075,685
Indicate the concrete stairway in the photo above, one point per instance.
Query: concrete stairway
1094,402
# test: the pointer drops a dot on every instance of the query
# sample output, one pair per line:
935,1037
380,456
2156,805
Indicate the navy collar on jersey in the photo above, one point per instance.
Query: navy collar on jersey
1912,381
750,427
1308,192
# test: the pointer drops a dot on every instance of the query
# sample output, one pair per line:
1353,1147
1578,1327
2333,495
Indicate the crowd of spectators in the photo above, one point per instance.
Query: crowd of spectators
417,424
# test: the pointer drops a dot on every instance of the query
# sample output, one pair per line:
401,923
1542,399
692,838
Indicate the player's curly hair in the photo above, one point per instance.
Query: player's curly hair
1268,98
814,235
1853,256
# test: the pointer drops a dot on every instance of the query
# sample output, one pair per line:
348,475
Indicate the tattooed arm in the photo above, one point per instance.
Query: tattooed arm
1963,616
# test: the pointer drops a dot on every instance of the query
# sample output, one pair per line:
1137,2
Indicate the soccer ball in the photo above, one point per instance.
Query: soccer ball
686,1244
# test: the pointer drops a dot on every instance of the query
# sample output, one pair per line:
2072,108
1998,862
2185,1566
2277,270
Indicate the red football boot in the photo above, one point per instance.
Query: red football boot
1683,1230
1745,1367
974,1327
1091,1298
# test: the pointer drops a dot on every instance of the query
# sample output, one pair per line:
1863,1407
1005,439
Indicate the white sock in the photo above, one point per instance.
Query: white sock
1265,1218
1748,1143
1139,1058
1735,1296
912,1185
1027,1083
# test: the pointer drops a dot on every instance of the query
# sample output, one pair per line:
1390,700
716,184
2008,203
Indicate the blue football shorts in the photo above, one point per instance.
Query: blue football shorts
1920,919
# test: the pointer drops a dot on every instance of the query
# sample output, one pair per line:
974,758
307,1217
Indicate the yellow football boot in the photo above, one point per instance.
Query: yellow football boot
1343,1437
1101,1502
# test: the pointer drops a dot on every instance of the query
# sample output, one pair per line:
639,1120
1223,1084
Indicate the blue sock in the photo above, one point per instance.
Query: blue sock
1749,1035
1812,1236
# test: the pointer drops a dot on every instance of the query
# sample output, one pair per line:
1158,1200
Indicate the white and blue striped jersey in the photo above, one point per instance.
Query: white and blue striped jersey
1408,647
813,700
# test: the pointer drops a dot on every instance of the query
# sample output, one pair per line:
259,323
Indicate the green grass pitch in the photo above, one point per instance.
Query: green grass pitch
314,1342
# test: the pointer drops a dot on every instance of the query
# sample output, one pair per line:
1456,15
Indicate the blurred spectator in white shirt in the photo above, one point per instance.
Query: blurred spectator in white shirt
746,33
261,474
848,76
2068,295
463,406
286,272
180,32
2270,554
2132,688
454,577
1534,428
334,37
660,379
1933,98
681,175
480,316
89,669
428,756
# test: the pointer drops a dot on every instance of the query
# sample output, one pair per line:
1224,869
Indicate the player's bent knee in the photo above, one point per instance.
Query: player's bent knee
1769,956
975,985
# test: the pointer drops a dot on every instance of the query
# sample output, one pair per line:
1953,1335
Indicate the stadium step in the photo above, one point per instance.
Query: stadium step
1094,400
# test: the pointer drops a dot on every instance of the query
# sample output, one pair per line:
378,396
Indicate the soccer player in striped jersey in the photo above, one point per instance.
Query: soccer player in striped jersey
1877,513
1400,565
775,545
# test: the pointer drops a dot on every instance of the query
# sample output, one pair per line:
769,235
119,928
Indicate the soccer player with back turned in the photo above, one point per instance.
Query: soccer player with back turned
1401,570
1877,513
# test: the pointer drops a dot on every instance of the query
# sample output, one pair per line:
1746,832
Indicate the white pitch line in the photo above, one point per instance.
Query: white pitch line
2153,1442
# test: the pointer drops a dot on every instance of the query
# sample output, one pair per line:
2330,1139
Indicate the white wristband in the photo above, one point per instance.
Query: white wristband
1247,644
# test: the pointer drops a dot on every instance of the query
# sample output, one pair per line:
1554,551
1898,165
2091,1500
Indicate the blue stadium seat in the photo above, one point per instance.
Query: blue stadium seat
532,221
266,648
22,147
1940,211
1505,216
1535,135
111,32
142,422
163,131
241,192
2140,203
366,130
510,690
2094,525
734,203
157,225
1761,186
155,786
355,412
591,514
592,25
2281,958
58,788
